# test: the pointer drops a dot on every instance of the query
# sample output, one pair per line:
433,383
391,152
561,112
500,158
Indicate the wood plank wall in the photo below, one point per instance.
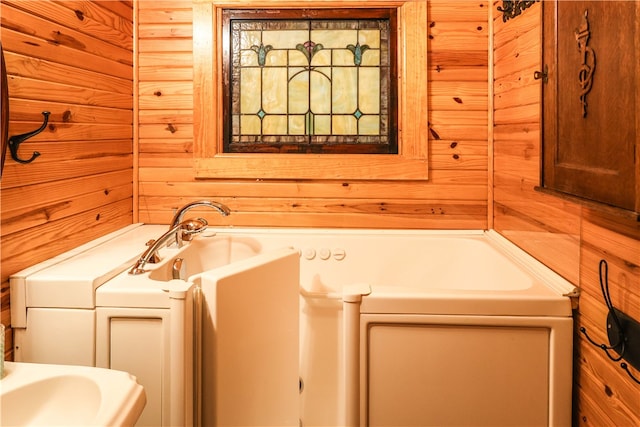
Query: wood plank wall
567,237
455,197
80,188
74,59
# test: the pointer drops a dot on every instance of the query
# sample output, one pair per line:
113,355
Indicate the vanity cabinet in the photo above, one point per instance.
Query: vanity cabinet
133,342
155,345
591,102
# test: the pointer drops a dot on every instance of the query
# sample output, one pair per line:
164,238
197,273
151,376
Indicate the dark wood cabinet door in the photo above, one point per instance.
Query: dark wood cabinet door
591,101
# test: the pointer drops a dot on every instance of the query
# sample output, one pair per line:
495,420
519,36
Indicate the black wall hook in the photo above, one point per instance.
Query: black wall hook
623,331
16,140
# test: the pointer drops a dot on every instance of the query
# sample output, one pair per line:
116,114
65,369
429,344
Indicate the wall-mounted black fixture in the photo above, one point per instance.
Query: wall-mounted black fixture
512,8
16,140
623,331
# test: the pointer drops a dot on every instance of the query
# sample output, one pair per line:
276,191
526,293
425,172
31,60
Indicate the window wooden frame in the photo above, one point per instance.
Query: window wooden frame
354,143
411,162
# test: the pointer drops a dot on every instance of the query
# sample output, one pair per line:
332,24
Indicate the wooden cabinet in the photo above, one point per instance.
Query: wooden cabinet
591,102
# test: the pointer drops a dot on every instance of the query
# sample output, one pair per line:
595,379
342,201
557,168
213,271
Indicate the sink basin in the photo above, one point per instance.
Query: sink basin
35,394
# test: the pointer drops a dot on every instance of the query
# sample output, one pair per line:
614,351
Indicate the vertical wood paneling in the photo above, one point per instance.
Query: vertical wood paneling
74,59
454,197
567,237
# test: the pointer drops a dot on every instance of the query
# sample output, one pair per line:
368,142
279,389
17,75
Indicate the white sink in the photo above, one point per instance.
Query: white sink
33,394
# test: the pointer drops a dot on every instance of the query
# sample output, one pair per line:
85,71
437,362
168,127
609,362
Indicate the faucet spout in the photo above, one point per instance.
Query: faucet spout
177,218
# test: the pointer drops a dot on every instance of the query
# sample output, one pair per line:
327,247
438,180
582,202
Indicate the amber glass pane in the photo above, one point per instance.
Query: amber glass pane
296,83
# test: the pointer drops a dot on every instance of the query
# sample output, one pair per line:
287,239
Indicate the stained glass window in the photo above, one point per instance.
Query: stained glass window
310,81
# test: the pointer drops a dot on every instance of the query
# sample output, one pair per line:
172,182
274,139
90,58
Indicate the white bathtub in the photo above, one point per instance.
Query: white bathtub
372,300
397,328
474,332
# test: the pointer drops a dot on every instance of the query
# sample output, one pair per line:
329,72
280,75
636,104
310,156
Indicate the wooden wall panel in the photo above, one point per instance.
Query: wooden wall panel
74,59
567,237
618,243
516,154
455,196
81,187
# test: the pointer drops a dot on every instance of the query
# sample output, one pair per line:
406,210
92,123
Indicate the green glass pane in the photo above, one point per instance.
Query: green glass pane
299,93
320,91
297,58
369,125
274,125
371,58
284,39
250,81
249,38
369,90
345,86
297,125
334,39
322,57
322,124
274,90
250,125
343,57
248,58
344,125
370,38
277,58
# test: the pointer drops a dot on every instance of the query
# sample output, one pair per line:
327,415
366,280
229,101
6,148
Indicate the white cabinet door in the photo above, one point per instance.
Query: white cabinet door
137,340
61,336
452,372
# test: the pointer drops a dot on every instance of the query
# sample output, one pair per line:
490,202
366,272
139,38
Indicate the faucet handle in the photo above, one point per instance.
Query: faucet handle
154,257
191,227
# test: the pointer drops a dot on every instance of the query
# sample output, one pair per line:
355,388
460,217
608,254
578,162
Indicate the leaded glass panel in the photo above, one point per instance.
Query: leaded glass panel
321,84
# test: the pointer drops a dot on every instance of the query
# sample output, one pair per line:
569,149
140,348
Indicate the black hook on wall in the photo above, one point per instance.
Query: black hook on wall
16,140
623,331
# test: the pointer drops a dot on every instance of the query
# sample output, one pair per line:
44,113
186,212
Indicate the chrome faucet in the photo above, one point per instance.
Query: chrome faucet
177,218
224,210
183,231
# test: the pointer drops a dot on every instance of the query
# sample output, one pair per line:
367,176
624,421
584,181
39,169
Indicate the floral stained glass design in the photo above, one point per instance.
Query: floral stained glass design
310,85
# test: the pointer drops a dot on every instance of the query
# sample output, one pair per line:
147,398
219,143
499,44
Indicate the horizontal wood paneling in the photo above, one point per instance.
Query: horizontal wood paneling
29,45
25,88
454,197
32,245
43,20
75,60
567,237
46,71
459,11
59,199
88,17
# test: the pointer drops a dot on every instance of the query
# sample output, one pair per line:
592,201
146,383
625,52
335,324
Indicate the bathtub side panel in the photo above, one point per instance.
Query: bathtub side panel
463,370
